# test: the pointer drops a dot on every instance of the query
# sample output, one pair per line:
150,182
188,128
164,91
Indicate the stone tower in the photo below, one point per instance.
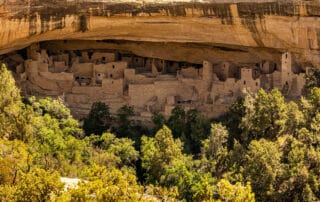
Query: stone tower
207,72
286,69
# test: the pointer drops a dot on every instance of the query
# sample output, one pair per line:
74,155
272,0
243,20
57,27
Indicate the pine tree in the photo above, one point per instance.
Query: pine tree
13,123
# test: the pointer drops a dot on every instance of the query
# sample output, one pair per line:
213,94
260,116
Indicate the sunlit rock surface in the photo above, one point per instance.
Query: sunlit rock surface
191,31
155,55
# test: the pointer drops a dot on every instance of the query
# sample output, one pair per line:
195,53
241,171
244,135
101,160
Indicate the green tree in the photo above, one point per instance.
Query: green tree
13,122
50,106
8,193
15,158
120,147
192,184
202,187
311,112
163,193
214,150
262,167
177,122
300,175
158,120
99,119
312,79
266,116
178,173
237,192
124,114
71,127
197,129
107,185
296,119
191,127
58,111
125,127
164,162
158,152
307,194
232,120
38,185
53,147
311,106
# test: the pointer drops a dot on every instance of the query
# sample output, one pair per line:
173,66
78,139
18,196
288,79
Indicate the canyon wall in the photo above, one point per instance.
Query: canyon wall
191,31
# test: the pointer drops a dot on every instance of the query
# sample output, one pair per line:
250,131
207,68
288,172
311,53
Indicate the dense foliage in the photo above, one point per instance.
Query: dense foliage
264,149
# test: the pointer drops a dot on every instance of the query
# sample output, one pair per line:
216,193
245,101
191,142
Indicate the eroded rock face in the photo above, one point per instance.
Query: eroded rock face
150,85
155,55
196,30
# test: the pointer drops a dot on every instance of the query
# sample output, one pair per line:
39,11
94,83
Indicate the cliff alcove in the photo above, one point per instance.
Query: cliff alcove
200,54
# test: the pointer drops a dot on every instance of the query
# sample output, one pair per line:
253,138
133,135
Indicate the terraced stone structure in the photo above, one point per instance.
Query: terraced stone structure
156,55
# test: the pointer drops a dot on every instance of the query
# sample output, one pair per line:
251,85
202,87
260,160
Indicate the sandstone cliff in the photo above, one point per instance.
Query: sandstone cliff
192,31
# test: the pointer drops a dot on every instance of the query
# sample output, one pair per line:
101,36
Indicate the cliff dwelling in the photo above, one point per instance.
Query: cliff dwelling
158,55
150,85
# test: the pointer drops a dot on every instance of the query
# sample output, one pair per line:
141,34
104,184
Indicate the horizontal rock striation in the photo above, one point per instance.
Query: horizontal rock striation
190,31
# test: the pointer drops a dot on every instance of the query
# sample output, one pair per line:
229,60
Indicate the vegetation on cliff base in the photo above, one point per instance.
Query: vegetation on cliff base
265,149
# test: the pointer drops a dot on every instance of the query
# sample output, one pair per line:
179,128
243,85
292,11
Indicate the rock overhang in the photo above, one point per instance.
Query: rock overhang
199,54
263,29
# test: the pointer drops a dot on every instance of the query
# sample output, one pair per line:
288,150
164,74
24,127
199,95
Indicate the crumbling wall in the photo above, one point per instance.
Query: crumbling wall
151,90
104,57
247,80
112,70
190,72
140,94
82,69
113,85
37,73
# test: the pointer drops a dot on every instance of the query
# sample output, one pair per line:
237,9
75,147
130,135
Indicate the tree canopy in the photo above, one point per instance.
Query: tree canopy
265,148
